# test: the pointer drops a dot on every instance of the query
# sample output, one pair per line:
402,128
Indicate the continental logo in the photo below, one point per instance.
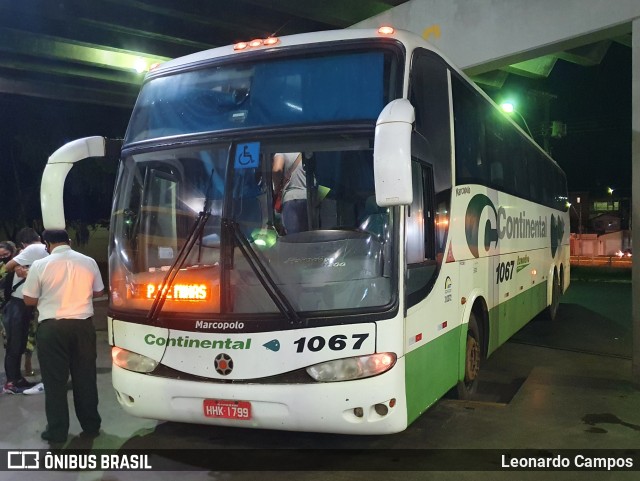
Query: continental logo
499,226
187,342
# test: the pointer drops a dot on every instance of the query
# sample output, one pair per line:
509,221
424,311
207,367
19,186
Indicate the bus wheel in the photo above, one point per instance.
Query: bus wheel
468,387
552,310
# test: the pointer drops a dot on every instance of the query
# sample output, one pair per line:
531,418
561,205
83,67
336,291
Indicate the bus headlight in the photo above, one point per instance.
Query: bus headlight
352,367
132,361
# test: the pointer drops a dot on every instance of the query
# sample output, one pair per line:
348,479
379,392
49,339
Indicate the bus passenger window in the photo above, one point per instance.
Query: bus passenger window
497,174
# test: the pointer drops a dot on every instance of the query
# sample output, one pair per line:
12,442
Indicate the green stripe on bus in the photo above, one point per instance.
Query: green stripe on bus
431,370
510,316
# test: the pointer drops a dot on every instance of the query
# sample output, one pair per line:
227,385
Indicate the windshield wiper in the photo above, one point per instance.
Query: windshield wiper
263,275
195,235
167,282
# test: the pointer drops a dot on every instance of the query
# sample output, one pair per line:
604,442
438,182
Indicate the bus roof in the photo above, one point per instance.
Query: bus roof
409,39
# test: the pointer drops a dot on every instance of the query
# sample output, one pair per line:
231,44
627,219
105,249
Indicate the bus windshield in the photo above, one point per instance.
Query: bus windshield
338,258
318,88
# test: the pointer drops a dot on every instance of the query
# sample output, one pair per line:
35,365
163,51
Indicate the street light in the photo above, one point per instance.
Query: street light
509,108
579,214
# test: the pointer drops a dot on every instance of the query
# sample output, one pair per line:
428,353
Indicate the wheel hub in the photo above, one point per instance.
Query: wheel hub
472,365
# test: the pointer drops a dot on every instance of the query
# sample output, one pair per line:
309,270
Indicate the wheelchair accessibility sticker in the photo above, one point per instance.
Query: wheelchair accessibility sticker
247,156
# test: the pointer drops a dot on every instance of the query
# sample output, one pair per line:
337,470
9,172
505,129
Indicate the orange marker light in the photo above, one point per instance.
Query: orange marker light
386,30
257,42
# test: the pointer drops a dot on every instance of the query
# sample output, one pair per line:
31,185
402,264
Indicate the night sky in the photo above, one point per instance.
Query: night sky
595,104
54,122
31,129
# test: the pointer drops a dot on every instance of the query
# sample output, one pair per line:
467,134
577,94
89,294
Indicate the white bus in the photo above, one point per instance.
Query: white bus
436,230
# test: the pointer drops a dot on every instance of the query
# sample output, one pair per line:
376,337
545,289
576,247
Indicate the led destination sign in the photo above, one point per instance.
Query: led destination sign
178,292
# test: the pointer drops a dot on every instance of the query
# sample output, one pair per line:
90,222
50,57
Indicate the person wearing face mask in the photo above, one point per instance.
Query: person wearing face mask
16,314
7,251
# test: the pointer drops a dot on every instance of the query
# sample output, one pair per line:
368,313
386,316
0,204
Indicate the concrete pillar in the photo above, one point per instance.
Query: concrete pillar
635,195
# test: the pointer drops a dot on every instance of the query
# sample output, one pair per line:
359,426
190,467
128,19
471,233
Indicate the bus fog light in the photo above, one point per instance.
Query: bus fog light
132,361
352,367
358,412
381,409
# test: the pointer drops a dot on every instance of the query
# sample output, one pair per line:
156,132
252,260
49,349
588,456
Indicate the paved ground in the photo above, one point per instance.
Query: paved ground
561,385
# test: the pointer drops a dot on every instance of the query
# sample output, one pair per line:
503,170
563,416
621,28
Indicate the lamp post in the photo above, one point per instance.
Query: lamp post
579,214
510,109
579,227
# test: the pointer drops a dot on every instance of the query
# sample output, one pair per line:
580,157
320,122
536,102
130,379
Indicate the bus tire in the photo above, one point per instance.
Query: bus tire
468,387
556,291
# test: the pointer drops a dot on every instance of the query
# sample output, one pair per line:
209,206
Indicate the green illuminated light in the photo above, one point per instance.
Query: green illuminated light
508,107
264,238
140,65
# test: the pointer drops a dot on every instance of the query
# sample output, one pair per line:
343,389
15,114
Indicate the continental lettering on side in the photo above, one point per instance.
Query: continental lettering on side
187,342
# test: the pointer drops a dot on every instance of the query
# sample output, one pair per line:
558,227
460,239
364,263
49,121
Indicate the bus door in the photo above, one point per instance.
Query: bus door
431,284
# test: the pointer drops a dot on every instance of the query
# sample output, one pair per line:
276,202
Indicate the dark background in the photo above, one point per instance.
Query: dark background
595,104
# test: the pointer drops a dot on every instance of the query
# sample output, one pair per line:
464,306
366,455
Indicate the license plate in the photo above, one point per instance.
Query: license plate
220,408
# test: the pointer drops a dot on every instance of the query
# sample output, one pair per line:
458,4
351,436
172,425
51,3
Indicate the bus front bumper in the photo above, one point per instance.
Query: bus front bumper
373,405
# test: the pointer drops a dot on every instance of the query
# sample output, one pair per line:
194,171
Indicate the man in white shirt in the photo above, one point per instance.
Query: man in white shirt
63,286
16,315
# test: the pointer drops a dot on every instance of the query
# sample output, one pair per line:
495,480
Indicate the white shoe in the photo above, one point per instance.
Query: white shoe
37,389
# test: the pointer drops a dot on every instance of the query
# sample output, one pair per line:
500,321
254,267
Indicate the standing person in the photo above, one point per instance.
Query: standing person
63,285
294,191
7,252
16,314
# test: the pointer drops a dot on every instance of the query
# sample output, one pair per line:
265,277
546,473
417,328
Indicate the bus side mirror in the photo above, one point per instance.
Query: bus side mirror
56,170
392,154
